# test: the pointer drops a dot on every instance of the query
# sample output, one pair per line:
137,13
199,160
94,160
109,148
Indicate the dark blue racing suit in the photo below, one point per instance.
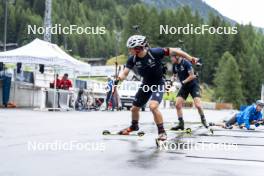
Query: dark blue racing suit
192,87
151,69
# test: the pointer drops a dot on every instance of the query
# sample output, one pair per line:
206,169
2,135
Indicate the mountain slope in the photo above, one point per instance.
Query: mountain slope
196,5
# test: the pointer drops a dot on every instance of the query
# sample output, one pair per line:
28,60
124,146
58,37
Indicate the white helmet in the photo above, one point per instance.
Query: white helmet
260,102
136,40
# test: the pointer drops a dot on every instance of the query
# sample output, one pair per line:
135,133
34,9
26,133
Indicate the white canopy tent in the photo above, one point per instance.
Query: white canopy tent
48,54
42,52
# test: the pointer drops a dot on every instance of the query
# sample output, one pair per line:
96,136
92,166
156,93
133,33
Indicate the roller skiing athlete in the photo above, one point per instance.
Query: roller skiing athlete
148,63
183,70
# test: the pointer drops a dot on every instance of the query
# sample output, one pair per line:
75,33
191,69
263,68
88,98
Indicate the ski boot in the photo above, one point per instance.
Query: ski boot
162,136
212,124
180,126
128,130
227,126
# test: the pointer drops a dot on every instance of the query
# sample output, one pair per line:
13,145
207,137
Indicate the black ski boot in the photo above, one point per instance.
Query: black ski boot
228,127
180,126
203,120
212,124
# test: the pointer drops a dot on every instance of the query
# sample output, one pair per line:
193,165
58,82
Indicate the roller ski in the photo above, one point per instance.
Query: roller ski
178,139
125,132
200,130
187,131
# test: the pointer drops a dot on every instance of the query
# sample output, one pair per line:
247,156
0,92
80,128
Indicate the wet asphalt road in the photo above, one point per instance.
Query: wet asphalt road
119,155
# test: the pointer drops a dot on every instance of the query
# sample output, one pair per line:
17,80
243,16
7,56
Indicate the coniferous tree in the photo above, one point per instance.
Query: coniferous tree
228,81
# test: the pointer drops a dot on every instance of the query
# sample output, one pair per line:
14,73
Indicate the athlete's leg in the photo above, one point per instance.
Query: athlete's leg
226,124
198,105
231,122
135,112
220,124
182,95
195,93
141,99
134,123
153,106
156,98
179,105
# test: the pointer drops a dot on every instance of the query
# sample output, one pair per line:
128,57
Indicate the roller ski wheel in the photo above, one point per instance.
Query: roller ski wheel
132,133
211,131
106,132
141,133
188,130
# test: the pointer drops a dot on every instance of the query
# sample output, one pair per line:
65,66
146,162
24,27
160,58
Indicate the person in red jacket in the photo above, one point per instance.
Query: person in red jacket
57,82
65,83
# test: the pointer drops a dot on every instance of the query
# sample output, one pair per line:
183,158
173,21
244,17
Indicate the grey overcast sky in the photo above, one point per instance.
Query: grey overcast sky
242,11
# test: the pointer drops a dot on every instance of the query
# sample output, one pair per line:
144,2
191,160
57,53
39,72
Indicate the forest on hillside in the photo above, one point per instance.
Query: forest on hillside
241,55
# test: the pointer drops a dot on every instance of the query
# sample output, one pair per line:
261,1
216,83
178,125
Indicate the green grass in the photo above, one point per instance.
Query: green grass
121,60
86,78
207,93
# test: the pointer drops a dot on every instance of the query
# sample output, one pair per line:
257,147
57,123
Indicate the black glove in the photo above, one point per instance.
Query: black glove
116,82
258,123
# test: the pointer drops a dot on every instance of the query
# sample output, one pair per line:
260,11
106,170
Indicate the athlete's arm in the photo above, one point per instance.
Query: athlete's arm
178,52
191,77
122,75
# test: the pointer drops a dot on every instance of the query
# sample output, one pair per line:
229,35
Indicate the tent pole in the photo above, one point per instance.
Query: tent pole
54,87
74,87
34,85
14,90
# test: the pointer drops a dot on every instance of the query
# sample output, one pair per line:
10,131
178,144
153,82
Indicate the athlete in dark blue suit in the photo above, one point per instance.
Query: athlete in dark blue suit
184,71
148,64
